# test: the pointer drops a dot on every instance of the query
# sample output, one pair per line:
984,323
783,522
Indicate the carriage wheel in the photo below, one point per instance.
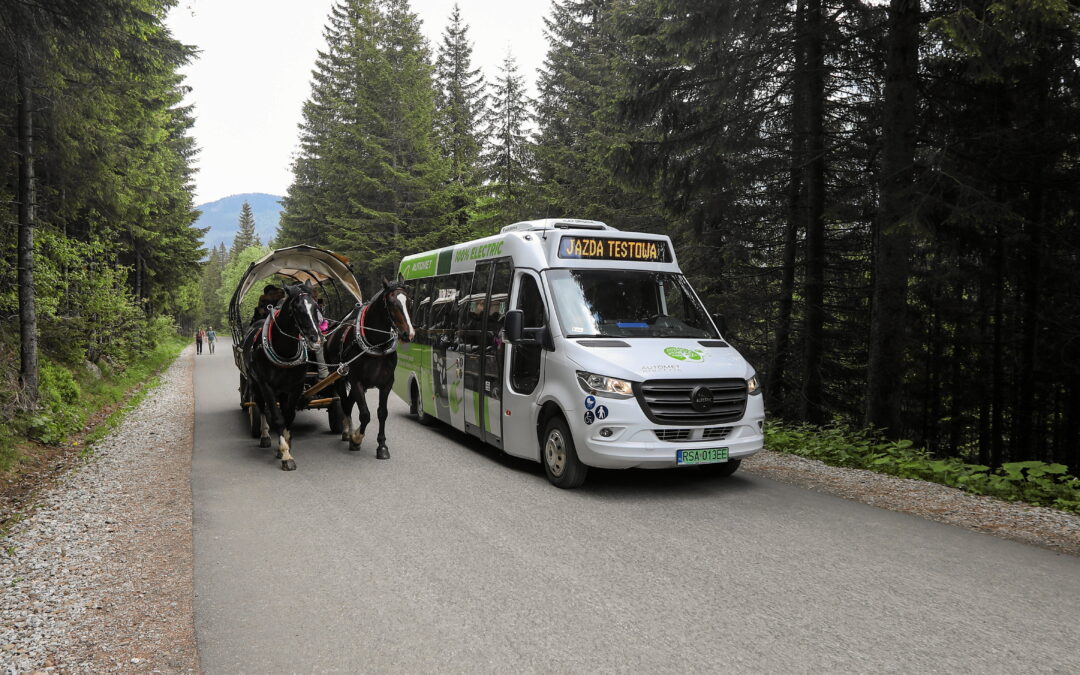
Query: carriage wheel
337,417
254,421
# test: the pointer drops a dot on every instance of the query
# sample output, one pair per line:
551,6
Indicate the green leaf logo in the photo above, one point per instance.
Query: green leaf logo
684,354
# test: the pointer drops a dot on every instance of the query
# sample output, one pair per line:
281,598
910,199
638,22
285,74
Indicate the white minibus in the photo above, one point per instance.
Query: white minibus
576,345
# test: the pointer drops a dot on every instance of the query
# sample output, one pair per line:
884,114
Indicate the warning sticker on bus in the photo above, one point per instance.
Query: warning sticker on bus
604,248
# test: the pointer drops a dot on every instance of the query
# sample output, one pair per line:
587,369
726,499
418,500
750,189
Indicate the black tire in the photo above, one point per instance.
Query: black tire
559,456
721,469
421,416
336,417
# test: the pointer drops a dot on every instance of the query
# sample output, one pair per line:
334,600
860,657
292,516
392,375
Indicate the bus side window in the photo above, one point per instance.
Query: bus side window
421,303
443,302
525,359
461,282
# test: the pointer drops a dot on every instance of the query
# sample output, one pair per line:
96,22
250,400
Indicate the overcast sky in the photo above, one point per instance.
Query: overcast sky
254,71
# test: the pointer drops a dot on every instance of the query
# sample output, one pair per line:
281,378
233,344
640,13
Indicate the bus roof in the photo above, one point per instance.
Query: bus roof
550,243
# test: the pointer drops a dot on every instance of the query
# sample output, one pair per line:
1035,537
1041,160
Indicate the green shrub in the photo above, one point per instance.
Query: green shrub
60,412
1033,482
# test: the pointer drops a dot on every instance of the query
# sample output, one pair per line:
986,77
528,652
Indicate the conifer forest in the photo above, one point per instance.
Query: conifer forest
880,197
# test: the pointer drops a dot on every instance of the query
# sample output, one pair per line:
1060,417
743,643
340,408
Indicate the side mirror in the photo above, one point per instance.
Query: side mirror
721,323
514,323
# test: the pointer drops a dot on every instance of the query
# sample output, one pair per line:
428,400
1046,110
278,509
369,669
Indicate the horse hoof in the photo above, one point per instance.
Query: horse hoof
344,435
353,447
288,465
382,452
264,442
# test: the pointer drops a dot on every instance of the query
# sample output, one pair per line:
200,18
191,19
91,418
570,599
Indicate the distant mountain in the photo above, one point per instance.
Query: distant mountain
223,216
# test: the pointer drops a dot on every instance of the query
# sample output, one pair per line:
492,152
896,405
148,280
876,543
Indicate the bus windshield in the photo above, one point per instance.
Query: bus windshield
627,303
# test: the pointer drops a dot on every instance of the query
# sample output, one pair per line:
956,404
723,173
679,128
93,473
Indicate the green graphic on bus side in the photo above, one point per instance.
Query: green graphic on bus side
417,268
684,354
446,259
479,251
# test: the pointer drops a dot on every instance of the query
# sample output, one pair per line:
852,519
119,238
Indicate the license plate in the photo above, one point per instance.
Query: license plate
701,456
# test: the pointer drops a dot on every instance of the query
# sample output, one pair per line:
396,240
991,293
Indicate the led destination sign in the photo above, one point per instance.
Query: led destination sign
603,248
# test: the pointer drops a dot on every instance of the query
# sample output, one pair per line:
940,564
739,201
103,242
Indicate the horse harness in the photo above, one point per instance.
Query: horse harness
268,349
356,326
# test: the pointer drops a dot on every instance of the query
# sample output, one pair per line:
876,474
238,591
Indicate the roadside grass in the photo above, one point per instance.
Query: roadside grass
1033,482
78,408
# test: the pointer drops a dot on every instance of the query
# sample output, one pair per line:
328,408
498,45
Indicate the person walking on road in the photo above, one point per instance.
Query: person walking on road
211,338
199,335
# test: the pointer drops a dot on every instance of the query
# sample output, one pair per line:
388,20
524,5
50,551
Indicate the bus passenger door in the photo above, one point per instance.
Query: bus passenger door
455,359
470,337
445,355
524,376
498,302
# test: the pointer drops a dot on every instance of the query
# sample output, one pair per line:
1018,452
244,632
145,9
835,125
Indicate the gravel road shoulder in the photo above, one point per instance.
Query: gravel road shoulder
98,577
1049,528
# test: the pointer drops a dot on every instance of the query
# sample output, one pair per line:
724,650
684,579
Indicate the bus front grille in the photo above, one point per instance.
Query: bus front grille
672,401
692,435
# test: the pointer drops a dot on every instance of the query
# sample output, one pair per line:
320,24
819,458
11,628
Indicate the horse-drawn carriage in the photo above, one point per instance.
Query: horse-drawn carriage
337,287
292,358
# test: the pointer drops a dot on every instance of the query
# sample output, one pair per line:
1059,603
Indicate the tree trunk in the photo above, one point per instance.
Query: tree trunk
984,366
997,426
774,386
812,409
28,351
892,238
1023,444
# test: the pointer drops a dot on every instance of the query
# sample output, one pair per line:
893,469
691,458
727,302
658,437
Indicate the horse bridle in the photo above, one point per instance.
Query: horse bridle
383,348
268,349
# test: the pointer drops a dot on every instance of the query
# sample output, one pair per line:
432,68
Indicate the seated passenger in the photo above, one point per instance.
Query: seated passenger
271,295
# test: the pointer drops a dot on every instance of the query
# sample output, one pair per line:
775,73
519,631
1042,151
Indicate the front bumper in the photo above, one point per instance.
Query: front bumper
634,443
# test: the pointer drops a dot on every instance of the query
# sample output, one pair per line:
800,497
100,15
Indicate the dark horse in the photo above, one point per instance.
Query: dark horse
367,342
275,357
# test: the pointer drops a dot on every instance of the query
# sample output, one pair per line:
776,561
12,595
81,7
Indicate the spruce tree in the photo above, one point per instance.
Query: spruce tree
106,165
508,158
578,121
369,181
460,110
246,235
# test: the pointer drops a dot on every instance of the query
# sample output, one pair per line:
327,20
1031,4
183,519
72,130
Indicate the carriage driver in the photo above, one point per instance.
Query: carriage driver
271,295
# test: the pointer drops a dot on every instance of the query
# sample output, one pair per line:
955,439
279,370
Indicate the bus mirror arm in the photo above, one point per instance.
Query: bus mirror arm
538,336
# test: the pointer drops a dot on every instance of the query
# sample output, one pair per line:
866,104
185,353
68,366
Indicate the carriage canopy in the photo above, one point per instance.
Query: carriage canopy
325,269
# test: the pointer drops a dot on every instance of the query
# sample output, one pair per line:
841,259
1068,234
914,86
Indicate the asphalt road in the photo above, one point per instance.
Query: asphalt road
451,557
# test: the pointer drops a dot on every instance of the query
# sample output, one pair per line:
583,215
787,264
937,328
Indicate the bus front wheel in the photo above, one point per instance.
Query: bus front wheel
561,463
722,469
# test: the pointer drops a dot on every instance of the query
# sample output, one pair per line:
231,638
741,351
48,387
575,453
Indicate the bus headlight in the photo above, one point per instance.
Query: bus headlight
752,386
604,386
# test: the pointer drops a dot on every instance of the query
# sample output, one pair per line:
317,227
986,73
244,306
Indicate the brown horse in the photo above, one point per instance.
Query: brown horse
367,342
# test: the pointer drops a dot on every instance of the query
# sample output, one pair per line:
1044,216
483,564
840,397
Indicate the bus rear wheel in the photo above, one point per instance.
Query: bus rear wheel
418,407
561,463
